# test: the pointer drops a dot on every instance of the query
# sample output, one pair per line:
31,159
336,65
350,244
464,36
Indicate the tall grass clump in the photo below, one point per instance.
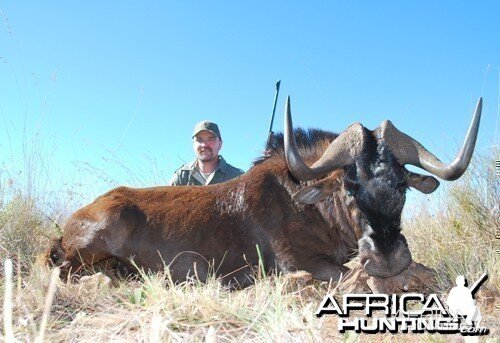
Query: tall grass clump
462,236
24,231
28,202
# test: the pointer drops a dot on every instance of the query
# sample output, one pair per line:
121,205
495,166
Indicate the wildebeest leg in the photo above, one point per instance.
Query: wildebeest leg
326,269
89,244
189,265
241,278
87,262
114,268
83,260
68,261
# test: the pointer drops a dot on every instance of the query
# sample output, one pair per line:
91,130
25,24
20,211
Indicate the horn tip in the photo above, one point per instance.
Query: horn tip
479,106
287,104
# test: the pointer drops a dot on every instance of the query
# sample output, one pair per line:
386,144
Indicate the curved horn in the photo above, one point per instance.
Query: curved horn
409,151
339,153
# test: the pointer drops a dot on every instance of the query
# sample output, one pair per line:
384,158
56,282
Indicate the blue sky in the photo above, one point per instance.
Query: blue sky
108,90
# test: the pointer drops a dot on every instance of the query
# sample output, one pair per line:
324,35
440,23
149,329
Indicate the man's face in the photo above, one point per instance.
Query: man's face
206,145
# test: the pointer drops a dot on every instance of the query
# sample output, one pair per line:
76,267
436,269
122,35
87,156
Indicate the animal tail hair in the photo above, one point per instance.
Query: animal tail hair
55,256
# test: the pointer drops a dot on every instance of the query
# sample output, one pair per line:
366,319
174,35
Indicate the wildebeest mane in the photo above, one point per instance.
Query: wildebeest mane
311,143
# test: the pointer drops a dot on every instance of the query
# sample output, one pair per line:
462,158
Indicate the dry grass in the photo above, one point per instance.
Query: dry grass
460,238
153,309
463,236
24,231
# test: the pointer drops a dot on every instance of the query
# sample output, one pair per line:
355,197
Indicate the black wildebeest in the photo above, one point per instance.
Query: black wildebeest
311,203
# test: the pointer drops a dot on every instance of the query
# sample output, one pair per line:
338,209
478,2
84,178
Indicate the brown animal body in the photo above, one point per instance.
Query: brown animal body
351,206
217,226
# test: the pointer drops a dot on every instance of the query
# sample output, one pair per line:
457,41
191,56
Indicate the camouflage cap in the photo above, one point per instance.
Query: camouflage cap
206,126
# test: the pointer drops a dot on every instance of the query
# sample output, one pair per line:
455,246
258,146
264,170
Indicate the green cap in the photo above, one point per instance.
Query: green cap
206,126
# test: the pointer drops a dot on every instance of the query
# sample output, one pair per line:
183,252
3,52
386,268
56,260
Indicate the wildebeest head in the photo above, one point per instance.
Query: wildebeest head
375,176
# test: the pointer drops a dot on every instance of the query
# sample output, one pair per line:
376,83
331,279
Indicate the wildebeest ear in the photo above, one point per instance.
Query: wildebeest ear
423,183
317,191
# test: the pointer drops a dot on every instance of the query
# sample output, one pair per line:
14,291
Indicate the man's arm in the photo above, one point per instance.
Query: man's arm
238,172
176,179
232,172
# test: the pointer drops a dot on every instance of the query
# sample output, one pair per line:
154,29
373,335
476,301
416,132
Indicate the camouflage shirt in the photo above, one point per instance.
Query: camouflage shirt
190,175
